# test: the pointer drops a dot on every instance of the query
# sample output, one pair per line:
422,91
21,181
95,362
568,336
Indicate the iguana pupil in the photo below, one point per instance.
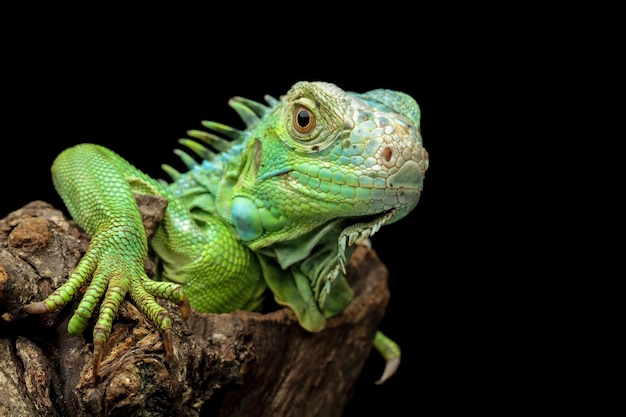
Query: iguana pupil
305,121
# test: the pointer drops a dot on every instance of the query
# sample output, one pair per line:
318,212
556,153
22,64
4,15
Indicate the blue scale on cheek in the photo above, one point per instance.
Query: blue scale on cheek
246,218
251,221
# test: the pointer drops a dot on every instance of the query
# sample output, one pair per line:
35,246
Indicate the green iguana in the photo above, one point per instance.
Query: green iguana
278,205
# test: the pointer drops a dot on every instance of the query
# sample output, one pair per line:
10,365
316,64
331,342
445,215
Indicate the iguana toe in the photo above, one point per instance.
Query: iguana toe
390,351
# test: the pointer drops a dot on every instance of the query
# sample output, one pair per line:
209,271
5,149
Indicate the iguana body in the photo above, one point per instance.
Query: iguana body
279,205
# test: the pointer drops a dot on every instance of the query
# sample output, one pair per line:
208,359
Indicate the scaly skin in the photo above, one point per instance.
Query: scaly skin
278,205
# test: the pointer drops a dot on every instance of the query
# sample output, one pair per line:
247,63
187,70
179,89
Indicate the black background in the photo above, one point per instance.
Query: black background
138,94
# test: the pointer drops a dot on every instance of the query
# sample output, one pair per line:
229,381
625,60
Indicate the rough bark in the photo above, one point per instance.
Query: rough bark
236,364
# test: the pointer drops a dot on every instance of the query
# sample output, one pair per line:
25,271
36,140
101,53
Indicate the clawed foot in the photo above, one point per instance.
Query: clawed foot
100,339
142,293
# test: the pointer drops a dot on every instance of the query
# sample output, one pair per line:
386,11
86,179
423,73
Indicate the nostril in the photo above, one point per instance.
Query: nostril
387,153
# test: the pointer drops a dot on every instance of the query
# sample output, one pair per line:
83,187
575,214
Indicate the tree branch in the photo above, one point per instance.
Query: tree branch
242,363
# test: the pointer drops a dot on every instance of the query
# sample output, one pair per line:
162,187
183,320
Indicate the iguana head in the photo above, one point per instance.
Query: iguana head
320,154
314,171
321,168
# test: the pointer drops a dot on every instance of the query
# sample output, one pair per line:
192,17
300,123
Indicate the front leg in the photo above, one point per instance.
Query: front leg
94,184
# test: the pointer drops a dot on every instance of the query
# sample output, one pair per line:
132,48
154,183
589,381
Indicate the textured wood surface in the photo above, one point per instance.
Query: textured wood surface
236,364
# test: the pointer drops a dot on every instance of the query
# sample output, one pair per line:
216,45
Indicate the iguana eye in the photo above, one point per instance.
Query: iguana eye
303,120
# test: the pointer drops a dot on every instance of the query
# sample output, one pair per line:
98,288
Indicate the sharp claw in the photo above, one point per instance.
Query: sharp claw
98,349
391,367
185,308
38,307
168,345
